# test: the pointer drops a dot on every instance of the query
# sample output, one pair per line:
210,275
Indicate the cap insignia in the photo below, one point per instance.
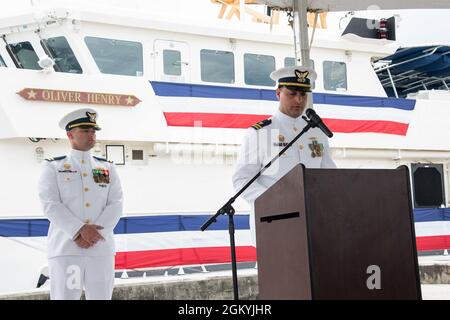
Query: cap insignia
91,115
301,75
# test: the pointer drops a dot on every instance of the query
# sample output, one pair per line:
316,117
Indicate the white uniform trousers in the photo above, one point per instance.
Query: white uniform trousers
70,274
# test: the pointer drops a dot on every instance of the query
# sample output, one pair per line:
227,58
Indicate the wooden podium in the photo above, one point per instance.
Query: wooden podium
337,234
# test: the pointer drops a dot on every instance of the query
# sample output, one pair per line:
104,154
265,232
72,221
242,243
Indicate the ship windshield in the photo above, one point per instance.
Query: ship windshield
59,50
116,56
23,55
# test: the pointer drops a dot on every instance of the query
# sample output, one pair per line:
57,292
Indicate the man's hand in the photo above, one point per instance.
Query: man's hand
89,233
82,243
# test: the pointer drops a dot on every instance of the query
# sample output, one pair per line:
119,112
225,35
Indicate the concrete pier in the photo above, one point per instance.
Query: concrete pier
434,275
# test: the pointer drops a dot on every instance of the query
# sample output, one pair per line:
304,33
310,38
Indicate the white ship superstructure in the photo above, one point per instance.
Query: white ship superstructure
174,99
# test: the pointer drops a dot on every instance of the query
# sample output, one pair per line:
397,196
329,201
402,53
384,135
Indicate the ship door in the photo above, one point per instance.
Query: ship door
428,185
172,62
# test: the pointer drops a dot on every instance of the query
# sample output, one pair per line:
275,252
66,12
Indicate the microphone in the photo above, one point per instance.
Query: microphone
316,121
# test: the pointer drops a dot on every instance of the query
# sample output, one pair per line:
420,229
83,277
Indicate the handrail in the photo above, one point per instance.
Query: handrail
409,60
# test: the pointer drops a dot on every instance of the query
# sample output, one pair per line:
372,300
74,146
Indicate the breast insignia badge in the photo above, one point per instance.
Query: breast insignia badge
316,148
100,175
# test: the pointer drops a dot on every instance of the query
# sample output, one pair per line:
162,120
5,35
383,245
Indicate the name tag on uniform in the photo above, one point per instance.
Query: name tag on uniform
281,142
101,175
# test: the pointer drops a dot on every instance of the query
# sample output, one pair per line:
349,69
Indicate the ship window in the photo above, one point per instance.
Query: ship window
2,62
334,76
137,154
172,62
217,66
59,50
290,62
428,185
116,56
116,154
257,69
23,55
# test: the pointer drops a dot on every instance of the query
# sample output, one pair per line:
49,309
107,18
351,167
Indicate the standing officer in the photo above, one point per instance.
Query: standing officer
82,197
267,138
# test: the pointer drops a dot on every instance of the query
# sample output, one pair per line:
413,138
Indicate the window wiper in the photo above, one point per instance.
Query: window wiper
11,53
48,51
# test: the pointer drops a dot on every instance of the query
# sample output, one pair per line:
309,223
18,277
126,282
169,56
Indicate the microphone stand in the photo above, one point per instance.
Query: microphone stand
228,209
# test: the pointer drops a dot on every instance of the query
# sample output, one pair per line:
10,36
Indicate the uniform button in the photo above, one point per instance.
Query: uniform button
84,174
301,147
86,189
67,179
295,129
88,204
82,161
87,221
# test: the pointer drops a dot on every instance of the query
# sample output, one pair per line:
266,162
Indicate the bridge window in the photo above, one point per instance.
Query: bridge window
335,76
116,56
23,55
290,62
257,69
2,62
59,50
172,62
217,66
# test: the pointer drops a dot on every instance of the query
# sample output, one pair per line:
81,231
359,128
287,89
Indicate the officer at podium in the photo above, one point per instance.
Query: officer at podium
267,138
81,195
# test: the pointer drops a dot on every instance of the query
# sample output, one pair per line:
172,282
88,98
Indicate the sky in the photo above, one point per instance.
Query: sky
415,27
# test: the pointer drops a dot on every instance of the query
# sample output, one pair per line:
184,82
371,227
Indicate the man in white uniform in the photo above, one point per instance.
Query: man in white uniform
267,138
82,197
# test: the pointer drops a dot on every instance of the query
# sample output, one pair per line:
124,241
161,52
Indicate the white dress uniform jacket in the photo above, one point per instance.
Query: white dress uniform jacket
264,141
75,190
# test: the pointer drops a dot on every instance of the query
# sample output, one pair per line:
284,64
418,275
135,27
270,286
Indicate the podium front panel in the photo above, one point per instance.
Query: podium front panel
281,237
337,234
361,232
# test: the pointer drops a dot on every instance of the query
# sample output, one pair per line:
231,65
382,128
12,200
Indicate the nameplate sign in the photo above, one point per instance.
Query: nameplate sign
47,95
